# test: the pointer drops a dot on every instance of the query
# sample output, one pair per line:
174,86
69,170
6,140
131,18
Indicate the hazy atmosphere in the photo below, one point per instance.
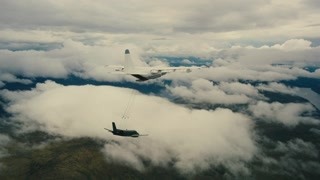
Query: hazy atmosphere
249,108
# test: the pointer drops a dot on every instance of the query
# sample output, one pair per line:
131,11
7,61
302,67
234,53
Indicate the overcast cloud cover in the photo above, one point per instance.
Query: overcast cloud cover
262,41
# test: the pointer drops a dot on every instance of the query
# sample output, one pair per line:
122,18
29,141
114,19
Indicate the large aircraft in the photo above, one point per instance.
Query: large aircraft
145,73
120,132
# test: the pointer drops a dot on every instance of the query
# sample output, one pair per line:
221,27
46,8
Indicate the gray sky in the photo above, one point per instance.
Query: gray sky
214,22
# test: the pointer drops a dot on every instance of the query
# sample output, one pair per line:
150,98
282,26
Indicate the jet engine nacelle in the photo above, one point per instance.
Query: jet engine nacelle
119,69
155,71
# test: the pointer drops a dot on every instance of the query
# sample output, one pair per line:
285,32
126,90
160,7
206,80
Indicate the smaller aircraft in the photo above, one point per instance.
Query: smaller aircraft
120,132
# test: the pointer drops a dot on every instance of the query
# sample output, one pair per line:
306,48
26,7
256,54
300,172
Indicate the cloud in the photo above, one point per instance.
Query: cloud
239,18
186,61
315,131
294,51
31,64
305,93
265,63
297,146
191,22
132,153
191,139
6,77
4,140
235,72
204,91
230,64
246,41
239,88
154,62
294,158
290,114
277,87
74,58
293,44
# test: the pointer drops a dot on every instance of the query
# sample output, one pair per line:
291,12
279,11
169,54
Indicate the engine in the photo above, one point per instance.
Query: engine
155,71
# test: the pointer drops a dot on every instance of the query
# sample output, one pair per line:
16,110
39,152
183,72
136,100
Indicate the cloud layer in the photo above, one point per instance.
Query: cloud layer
204,91
193,139
247,41
165,17
289,114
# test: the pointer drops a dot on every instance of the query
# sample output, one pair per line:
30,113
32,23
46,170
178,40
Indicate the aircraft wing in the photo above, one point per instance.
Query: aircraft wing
114,68
108,130
174,69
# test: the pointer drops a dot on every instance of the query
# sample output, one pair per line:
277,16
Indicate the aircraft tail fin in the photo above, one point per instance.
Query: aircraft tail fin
114,128
128,64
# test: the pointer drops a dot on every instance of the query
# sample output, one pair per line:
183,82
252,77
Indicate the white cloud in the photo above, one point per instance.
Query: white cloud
204,91
277,87
236,71
186,61
293,51
31,64
6,77
73,58
290,114
193,138
295,157
297,146
294,44
305,93
266,63
239,88
230,64
154,62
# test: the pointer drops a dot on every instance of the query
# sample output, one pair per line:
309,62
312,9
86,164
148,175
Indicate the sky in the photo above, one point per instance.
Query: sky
163,25
261,41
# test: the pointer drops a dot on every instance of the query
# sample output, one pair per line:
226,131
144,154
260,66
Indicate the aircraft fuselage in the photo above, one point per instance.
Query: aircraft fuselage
121,132
130,133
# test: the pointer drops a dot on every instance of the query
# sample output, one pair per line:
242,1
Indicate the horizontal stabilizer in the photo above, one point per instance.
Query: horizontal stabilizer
108,130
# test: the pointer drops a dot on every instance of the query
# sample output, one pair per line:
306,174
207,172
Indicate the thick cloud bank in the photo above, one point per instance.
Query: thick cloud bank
290,114
74,57
191,139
